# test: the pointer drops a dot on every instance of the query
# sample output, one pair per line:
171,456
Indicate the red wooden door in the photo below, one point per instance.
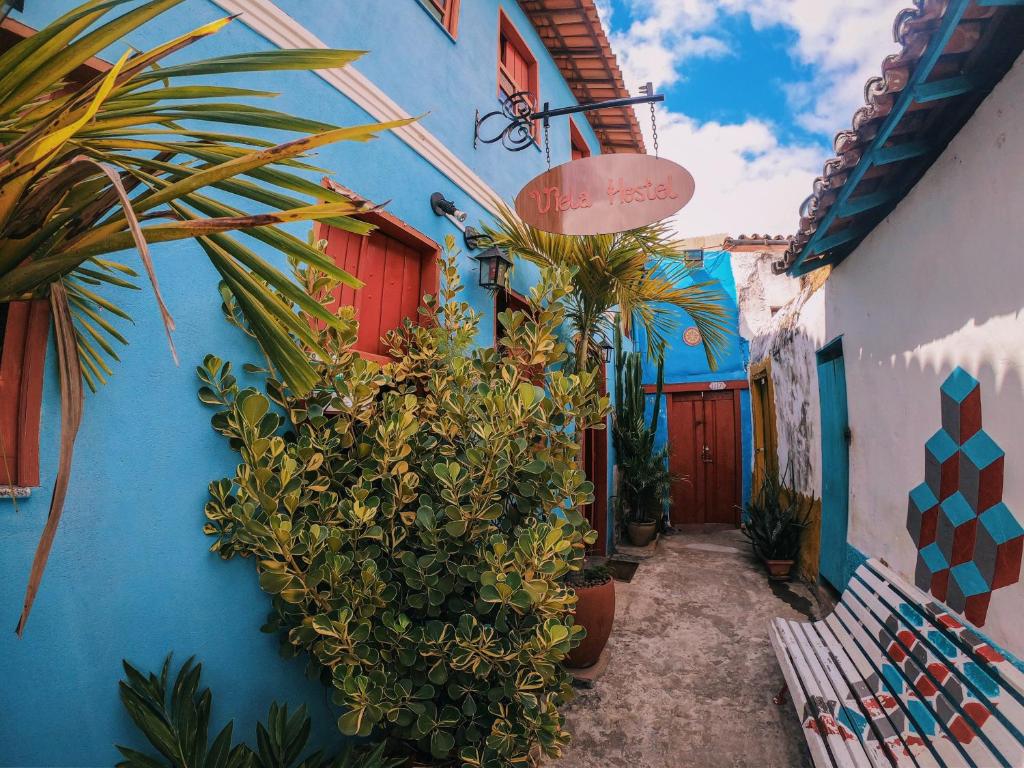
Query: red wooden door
703,433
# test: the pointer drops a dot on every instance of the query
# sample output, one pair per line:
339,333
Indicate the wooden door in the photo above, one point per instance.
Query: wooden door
835,464
704,442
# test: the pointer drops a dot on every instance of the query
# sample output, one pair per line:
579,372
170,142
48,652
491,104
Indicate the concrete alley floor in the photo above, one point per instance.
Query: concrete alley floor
691,673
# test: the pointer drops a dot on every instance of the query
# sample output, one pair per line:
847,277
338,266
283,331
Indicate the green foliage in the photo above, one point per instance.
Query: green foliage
130,158
644,478
415,522
776,519
641,273
178,729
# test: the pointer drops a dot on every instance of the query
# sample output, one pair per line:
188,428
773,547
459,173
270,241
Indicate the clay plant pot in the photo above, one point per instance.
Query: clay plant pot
779,570
640,534
595,612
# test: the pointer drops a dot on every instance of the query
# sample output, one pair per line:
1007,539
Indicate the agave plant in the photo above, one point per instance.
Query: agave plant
776,517
138,155
641,272
178,728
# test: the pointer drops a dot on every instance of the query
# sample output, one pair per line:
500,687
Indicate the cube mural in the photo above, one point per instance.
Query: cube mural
968,542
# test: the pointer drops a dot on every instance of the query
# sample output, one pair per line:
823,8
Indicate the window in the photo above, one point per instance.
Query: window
517,67
24,326
694,258
397,264
577,142
446,12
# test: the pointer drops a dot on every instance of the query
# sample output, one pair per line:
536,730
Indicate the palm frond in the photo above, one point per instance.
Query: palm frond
641,273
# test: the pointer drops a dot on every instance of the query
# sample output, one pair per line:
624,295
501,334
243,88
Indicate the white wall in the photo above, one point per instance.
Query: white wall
939,284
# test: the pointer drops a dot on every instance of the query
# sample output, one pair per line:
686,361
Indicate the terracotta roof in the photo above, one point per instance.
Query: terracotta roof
755,240
572,32
912,110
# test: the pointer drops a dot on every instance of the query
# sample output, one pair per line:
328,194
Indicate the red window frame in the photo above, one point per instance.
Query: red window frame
578,145
447,14
23,339
375,296
22,359
517,66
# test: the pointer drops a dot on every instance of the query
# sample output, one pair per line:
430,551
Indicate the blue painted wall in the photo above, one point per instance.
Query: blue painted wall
129,574
685,364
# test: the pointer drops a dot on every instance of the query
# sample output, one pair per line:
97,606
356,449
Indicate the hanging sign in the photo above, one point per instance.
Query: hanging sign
605,194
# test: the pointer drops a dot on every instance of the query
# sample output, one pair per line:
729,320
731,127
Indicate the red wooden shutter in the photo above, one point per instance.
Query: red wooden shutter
396,275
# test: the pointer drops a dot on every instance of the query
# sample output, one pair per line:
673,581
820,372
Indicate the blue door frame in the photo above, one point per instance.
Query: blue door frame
835,463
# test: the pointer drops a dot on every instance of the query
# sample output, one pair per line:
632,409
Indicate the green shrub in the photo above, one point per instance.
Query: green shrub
415,521
178,728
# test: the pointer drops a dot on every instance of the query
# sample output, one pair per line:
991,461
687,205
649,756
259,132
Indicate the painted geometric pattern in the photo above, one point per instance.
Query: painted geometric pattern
968,542
905,679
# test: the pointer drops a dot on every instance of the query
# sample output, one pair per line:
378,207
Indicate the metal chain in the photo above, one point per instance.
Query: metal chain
654,129
547,143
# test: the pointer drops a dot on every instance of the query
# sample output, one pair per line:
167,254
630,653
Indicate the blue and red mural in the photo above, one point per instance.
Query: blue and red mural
969,543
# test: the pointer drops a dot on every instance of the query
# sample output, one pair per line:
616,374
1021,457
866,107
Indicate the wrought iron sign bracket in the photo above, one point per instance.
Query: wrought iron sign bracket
519,116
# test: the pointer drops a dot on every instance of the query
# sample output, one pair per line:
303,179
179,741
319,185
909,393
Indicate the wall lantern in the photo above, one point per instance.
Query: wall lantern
606,350
494,266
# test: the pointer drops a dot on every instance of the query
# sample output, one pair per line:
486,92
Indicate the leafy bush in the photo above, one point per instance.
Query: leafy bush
776,519
178,729
416,520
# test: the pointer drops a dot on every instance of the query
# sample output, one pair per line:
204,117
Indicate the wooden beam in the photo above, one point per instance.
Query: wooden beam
894,154
866,202
839,238
944,89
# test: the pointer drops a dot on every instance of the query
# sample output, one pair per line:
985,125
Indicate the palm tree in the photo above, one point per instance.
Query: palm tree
140,154
640,274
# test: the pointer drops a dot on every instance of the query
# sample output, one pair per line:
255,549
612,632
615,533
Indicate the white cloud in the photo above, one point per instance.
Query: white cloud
747,179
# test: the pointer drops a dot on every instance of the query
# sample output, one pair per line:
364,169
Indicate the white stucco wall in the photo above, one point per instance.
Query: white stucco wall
939,284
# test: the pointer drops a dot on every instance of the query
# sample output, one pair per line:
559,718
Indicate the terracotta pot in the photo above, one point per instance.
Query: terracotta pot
640,534
595,612
779,570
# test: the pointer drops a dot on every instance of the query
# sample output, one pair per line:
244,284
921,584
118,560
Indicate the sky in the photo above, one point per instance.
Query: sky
755,92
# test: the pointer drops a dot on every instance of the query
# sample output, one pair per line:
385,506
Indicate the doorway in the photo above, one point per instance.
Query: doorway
762,402
835,463
705,456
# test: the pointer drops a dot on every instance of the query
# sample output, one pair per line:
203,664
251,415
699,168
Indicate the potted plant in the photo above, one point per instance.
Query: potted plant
644,477
595,612
775,522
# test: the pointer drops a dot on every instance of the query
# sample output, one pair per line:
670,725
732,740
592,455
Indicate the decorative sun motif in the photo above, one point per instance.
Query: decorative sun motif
692,336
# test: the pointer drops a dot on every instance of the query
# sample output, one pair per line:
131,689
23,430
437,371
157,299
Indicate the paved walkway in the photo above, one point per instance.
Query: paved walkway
692,672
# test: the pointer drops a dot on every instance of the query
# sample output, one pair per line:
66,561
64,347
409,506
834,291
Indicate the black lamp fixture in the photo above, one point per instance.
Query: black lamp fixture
606,349
494,266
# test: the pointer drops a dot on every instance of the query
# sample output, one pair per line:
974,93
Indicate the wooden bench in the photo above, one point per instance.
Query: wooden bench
894,678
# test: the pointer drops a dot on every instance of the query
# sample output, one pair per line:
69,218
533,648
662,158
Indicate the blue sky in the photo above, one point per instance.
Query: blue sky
755,91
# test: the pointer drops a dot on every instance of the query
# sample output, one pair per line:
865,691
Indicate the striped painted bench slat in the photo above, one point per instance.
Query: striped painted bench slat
893,678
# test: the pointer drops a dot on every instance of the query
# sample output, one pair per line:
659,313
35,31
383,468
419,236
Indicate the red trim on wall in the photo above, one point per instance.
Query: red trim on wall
697,386
577,144
518,79
21,390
